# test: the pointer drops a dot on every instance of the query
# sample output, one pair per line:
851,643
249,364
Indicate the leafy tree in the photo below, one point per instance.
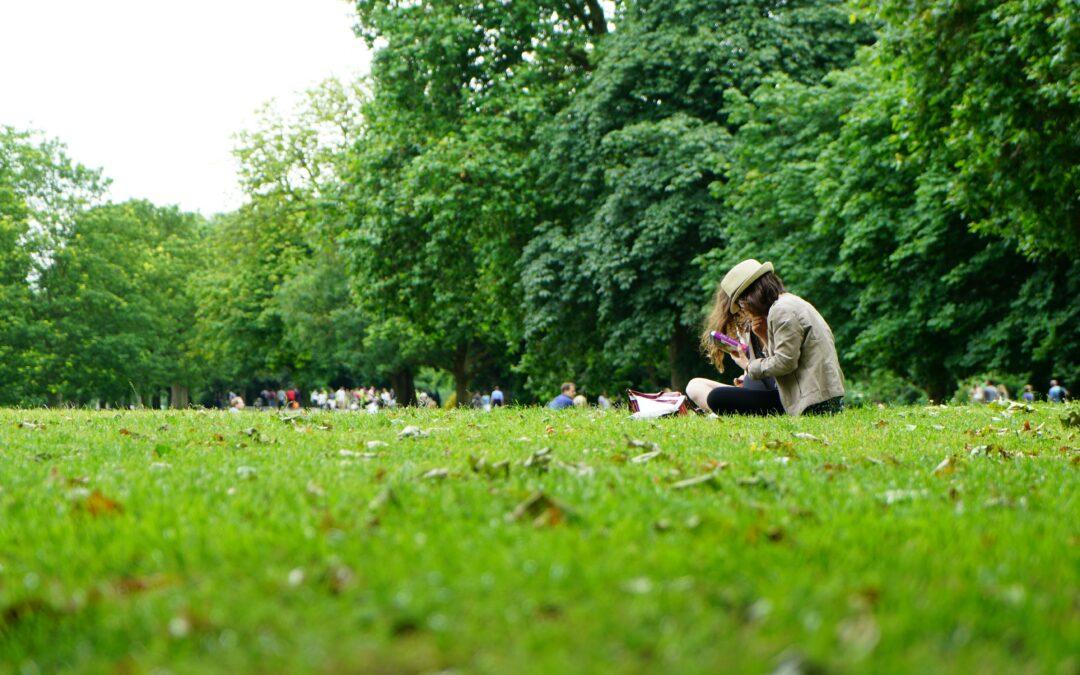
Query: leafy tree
862,220
993,89
41,191
256,320
631,160
119,299
445,196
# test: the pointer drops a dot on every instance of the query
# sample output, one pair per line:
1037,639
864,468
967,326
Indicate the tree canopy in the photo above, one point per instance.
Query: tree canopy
546,190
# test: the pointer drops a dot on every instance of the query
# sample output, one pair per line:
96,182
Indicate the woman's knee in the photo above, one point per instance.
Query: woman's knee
698,390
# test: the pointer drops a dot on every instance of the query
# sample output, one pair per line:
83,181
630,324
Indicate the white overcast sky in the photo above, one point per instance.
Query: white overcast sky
151,91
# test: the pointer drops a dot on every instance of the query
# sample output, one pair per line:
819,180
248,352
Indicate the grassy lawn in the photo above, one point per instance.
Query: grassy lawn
906,539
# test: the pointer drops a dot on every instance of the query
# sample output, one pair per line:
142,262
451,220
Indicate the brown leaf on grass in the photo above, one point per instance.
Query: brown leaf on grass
327,522
784,448
133,585
713,465
990,451
128,432
97,504
881,424
541,509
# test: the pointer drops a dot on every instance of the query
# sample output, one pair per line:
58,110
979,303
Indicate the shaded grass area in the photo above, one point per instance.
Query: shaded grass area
906,539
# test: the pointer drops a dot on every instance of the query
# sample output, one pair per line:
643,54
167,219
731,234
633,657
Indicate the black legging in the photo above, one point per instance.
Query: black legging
742,401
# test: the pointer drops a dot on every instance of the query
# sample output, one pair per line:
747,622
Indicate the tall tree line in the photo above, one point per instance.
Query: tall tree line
523,193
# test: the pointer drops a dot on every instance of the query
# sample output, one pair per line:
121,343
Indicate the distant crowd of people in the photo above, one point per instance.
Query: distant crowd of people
360,398
990,392
372,399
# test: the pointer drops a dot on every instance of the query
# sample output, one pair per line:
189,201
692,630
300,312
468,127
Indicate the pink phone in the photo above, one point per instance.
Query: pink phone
730,342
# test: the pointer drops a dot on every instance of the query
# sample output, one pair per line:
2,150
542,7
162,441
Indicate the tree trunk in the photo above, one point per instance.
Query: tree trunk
682,357
404,389
461,376
179,396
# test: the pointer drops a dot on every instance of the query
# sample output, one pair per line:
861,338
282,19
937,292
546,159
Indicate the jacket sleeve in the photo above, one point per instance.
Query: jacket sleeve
786,338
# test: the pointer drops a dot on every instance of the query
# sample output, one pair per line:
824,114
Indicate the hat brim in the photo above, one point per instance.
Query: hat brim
761,271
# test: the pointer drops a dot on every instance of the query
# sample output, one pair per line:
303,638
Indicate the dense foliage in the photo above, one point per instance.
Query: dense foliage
524,193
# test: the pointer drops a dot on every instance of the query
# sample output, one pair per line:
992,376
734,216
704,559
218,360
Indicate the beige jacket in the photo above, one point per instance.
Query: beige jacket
801,355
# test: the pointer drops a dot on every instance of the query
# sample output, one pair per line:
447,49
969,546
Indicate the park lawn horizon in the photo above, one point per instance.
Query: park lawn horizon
903,539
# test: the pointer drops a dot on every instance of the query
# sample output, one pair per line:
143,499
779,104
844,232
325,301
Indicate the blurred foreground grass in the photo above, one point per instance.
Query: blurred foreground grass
528,540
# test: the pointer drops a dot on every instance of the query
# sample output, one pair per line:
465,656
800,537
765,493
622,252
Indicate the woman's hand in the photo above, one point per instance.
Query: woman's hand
760,326
740,358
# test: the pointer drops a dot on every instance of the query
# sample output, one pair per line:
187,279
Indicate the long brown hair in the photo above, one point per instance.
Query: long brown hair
721,320
759,296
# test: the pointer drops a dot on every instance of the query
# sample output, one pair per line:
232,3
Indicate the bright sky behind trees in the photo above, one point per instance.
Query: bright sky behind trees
153,91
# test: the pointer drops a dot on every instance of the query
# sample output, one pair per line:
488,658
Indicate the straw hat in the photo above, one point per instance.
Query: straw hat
741,276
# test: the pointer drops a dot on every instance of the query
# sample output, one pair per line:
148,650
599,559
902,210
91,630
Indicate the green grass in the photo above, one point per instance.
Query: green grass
135,541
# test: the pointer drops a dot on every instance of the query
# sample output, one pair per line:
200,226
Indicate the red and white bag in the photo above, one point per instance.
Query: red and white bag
661,404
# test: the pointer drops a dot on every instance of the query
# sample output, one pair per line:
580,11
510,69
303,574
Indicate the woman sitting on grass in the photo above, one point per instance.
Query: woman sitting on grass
791,364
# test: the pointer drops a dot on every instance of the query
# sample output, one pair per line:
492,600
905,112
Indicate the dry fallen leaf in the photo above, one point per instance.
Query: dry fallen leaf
97,504
576,468
412,432
386,497
635,443
542,509
643,458
132,585
539,460
945,467
436,474
991,451
352,454
809,437
491,470
704,479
